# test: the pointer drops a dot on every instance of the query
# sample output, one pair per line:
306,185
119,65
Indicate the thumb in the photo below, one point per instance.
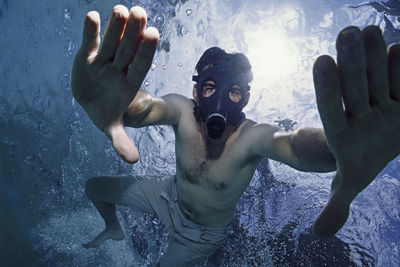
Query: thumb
330,220
122,143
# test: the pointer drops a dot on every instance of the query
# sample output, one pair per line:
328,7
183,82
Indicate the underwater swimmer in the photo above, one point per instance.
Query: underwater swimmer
217,148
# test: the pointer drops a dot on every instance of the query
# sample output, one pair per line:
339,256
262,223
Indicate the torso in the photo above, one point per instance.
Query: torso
210,181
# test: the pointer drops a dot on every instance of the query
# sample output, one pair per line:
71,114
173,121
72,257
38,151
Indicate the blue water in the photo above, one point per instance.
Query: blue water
49,147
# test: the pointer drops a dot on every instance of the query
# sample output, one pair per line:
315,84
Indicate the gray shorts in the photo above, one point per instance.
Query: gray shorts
190,242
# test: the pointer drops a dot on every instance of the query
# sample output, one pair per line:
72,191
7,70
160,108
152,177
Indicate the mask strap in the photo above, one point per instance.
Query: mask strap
196,111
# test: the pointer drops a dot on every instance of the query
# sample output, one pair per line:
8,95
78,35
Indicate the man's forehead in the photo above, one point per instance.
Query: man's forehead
218,70
221,74
207,67
209,81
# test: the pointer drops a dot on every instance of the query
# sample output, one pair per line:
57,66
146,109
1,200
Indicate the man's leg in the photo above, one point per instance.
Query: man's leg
105,192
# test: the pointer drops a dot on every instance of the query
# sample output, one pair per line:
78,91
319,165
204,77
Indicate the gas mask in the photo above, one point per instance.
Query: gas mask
221,108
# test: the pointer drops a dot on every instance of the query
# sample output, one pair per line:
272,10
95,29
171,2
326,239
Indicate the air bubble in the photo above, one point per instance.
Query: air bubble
67,14
188,12
159,20
183,30
147,82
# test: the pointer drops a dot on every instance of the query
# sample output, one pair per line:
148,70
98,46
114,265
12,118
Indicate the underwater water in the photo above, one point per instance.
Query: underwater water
49,147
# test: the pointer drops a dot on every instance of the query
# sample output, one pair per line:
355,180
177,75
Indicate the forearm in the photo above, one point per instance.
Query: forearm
312,151
138,109
146,110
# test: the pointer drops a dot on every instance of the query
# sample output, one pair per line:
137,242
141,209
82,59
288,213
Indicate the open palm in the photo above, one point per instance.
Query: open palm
359,103
105,81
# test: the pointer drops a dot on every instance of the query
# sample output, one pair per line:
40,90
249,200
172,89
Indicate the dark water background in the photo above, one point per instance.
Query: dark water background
49,147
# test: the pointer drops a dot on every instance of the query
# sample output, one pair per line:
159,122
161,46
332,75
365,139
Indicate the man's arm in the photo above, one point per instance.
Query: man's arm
305,149
359,104
146,110
310,148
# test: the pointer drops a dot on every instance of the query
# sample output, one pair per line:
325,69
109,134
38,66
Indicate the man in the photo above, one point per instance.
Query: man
217,149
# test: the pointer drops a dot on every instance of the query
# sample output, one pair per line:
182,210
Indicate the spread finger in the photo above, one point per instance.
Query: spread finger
90,36
129,43
394,71
329,98
377,71
143,58
113,34
352,68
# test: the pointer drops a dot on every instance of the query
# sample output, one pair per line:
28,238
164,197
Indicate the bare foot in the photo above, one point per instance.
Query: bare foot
113,232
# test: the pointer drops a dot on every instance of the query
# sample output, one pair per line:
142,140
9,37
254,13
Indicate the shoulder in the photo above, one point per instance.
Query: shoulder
258,137
252,129
181,105
180,102
176,98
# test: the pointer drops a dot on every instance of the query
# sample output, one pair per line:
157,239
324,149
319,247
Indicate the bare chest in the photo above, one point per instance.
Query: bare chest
217,169
200,171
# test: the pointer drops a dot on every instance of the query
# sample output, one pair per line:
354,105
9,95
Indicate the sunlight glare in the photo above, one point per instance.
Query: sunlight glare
272,54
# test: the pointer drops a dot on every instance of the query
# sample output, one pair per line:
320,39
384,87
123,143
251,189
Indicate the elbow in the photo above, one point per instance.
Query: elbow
320,165
312,152
137,111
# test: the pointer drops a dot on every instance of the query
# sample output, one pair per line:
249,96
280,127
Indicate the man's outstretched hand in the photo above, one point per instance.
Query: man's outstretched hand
359,103
105,81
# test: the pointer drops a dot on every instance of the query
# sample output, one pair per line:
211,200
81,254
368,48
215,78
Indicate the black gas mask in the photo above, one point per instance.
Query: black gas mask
221,105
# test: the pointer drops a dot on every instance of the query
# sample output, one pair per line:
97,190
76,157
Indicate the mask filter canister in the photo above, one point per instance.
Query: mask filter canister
216,124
